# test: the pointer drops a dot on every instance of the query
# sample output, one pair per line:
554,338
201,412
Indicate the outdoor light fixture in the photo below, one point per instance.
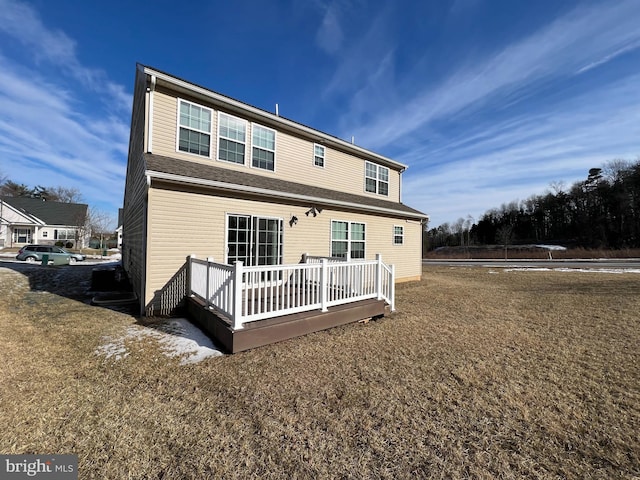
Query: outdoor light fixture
293,220
313,211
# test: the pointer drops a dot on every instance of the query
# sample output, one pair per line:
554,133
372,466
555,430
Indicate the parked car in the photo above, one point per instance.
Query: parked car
34,253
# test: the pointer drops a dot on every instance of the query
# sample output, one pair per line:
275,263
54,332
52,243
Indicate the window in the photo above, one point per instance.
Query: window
232,134
194,134
376,179
318,155
264,147
45,234
254,240
347,240
64,234
398,235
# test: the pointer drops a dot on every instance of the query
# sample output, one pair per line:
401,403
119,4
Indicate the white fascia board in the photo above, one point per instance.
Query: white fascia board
320,137
272,193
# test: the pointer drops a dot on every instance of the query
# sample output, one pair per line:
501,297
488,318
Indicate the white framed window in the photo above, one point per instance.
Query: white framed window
232,135
263,151
61,234
194,131
45,234
398,235
376,178
254,240
318,155
348,239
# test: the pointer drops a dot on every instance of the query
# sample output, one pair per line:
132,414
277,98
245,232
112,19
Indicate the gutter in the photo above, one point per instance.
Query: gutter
170,177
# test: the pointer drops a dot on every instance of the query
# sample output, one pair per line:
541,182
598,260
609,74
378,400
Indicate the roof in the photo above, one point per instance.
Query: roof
282,123
186,172
51,213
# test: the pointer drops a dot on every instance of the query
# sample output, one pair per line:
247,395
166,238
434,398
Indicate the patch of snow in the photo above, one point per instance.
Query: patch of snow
176,337
551,247
584,270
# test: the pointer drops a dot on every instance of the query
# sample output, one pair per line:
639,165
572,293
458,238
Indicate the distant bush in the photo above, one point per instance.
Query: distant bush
59,244
69,245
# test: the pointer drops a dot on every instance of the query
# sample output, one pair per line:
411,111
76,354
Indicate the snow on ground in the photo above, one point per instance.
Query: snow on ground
176,337
564,269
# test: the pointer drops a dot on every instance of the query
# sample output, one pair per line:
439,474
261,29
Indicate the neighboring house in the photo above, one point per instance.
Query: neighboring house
212,176
25,220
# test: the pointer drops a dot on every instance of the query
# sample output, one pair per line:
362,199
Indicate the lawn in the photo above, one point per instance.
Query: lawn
481,374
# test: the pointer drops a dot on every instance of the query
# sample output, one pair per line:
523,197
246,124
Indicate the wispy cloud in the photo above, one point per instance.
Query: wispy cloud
21,22
49,133
564,47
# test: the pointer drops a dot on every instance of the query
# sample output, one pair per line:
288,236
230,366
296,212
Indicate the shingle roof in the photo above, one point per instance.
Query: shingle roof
193,172
51,213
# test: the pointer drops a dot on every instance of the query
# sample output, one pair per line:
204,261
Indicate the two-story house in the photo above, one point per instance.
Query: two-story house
212,176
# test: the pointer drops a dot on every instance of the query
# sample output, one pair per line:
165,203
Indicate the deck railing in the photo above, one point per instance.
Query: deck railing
246,294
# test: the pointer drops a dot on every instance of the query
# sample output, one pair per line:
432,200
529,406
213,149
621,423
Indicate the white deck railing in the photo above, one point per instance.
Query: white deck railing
246,294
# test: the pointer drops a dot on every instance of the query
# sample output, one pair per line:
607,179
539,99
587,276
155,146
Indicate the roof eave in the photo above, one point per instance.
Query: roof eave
185,180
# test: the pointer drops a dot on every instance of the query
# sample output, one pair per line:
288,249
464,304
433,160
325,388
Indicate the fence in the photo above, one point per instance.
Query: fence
246,294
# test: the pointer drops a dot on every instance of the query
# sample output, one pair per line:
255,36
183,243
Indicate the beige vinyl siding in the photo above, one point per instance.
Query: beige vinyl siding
182,223
133,230
294,155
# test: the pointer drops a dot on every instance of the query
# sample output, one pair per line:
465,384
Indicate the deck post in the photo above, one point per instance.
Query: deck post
379,275
324,284
209,260
236,285
392,288
190,274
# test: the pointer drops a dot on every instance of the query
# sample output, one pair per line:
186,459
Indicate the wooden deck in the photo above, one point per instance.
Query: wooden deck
264,332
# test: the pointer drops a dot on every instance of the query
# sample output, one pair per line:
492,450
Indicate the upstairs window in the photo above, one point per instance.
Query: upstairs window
318,155
232,133
398,235
263,141
376,179
194,134
347,240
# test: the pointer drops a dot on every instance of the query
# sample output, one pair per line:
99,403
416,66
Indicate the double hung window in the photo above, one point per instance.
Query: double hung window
347,240
318,155
398,235
194,133
376,178
232,133
263,141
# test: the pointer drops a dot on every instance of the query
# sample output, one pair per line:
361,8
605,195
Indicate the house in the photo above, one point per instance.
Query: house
25,220
216,178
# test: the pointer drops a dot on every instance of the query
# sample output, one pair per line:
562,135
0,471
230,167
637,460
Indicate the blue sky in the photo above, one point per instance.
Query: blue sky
487,101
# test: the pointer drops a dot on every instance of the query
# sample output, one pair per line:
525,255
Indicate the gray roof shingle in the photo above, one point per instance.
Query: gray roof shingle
211,173
51,213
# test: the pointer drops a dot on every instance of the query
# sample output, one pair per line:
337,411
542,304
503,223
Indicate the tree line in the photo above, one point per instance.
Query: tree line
602,211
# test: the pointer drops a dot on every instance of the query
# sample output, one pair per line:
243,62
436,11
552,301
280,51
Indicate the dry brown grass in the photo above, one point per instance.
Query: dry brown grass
479,375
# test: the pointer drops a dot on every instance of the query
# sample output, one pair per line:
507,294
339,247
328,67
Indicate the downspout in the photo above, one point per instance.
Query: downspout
400,188
150,89
145,216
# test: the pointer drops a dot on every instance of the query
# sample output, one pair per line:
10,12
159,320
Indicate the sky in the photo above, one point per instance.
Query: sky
486,101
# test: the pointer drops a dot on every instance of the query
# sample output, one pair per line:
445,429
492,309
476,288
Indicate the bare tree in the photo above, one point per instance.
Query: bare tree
100,224
504,235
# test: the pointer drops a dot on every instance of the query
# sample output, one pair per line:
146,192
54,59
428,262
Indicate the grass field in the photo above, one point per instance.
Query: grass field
481,374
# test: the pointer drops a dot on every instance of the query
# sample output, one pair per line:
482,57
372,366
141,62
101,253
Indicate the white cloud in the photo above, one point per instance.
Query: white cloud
580,38
52,132
329,36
